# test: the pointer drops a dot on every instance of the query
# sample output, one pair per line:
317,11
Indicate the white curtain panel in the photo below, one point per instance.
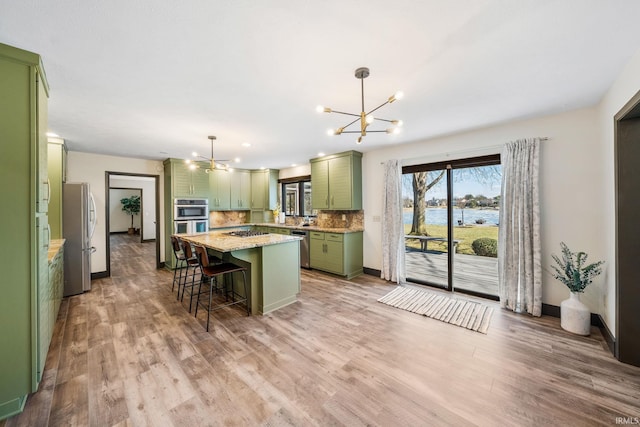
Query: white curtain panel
519,266
392,224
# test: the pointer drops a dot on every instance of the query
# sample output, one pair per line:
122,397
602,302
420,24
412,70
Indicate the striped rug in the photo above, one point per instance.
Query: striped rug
470,315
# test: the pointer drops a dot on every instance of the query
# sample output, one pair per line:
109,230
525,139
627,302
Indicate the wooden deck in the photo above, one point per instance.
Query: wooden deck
471,272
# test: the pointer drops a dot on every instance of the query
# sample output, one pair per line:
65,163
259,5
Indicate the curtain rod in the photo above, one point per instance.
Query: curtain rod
489,147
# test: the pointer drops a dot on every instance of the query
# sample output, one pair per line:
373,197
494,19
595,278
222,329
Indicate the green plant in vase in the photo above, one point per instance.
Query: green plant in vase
131,206
576,274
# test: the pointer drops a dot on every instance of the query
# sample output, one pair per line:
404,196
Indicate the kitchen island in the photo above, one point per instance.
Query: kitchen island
272,262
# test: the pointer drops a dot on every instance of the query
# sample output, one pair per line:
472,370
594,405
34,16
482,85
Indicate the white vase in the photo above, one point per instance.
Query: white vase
575,317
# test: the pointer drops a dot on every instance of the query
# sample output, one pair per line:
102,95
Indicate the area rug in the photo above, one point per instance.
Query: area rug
467,314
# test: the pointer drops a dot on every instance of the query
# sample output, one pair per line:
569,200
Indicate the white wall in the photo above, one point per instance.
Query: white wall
148,212
119,221
623,89
91,168
571,183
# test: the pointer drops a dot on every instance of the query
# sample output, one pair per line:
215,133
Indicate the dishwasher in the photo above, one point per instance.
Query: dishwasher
304,247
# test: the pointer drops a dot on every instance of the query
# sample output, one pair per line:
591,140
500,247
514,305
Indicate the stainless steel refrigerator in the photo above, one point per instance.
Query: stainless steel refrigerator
78,224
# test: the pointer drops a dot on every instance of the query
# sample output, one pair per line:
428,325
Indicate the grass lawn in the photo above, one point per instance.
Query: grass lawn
466,234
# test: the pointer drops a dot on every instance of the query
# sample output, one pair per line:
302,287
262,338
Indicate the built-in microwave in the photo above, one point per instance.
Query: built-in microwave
188,209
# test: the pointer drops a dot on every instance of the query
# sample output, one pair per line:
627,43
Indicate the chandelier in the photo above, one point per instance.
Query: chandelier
213,164
365,118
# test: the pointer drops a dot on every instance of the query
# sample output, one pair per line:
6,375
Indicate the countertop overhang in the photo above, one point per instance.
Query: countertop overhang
221,241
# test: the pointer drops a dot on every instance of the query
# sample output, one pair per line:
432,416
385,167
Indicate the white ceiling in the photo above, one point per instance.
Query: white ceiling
153,79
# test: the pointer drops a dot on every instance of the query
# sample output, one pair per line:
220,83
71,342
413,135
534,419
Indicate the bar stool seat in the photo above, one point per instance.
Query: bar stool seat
212,272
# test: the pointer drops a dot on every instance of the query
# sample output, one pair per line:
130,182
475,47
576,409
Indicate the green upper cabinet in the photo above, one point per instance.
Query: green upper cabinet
264,189
187,182
336,181
57,158
219,190
44,187
240,190
231,190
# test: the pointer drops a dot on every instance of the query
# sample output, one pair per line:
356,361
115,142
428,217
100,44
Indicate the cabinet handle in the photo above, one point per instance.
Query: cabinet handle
332,203
48,198
326,201
48,236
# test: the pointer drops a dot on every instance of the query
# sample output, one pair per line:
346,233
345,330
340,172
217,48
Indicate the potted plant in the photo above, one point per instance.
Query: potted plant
572,270
131,205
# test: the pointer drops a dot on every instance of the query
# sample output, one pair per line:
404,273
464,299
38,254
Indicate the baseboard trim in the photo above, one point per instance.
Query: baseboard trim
371,271
99,275
596,320
148,240
608,336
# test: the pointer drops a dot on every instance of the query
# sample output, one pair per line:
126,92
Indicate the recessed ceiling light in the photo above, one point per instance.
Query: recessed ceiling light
237,160
294,165
262,168
320,154
246,144
53,135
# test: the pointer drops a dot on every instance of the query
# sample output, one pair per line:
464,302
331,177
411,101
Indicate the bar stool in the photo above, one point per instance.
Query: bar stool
191,262
212,272
181,261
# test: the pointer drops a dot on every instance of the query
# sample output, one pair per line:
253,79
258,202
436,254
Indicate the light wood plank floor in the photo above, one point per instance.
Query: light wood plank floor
128,353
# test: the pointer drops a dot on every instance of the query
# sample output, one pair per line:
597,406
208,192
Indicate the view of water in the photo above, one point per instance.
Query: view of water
438,216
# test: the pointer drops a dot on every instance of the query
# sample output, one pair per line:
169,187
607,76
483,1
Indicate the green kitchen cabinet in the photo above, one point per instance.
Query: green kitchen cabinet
336,181
187,182
264,189
56,279
219,190
336,253
180,182
240,190
24,226
57,161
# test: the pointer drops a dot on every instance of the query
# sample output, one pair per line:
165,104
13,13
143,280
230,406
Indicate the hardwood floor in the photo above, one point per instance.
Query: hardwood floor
128,353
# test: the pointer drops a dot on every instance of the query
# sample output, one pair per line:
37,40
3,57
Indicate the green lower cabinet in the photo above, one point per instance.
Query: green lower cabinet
336,253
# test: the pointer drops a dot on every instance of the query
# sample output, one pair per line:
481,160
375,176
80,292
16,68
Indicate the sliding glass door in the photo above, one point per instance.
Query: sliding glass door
426,224
451,224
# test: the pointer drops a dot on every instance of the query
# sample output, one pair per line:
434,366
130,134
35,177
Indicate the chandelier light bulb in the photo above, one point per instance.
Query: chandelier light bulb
192,166
194,154
359,140
331,132
396,122
396,131
320,109
370,119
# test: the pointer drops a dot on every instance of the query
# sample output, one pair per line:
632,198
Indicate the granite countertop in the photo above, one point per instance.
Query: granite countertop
294,227
54,248
221,241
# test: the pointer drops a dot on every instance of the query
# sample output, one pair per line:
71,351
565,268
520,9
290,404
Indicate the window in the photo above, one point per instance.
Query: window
296,196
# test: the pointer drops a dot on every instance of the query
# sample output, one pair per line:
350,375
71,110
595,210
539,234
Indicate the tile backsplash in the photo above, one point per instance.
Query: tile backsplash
326,219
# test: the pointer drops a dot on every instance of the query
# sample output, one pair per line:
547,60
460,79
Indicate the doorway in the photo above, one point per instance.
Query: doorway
627,188
147,186
450,218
